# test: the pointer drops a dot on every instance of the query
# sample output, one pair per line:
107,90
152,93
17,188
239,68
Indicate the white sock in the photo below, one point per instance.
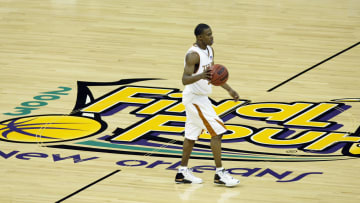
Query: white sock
182,168
219,169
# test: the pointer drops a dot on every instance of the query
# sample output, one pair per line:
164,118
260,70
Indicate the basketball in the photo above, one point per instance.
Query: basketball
220,75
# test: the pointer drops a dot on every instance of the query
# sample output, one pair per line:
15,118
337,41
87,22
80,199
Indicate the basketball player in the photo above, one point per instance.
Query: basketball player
199,111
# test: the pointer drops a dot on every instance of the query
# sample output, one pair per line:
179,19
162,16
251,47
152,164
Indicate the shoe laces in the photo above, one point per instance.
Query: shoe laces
189,171
225,174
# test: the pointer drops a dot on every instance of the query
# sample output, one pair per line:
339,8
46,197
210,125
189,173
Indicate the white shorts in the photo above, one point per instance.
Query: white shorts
200,115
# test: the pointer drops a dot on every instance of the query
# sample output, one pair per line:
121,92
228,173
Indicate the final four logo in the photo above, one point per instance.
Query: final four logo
161,126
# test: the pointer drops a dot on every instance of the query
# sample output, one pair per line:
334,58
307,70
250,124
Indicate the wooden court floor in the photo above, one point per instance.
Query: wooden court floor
90,107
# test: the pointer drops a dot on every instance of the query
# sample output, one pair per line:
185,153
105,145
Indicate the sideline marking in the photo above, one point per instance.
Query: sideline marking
74,193
333,56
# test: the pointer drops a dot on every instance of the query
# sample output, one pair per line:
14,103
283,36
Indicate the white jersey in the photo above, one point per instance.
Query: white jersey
200,87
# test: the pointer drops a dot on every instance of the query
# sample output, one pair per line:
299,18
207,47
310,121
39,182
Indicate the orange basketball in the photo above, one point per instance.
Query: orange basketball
219,74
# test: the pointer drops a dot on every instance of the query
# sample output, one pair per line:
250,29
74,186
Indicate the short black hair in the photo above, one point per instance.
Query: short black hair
200,28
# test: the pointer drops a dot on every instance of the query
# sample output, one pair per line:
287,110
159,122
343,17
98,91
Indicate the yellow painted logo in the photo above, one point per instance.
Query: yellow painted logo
48,128
307,126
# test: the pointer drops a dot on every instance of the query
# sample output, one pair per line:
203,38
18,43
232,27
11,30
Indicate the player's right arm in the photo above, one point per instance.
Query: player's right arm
191,60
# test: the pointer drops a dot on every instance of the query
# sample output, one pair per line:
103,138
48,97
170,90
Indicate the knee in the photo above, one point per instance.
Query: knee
217,137
189,141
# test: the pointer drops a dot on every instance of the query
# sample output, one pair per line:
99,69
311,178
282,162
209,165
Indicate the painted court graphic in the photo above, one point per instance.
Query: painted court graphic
305,126
48,128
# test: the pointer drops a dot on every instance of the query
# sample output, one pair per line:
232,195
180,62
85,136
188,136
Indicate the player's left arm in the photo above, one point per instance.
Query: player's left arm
226,86
231,91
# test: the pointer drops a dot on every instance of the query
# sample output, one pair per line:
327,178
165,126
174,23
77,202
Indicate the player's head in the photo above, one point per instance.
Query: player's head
203,34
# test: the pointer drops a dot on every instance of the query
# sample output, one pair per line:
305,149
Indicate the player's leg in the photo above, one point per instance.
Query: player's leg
184,174
192,132
222,177
216,128
216,149
187,149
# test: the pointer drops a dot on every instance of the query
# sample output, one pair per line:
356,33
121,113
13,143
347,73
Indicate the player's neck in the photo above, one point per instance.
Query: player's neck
200,45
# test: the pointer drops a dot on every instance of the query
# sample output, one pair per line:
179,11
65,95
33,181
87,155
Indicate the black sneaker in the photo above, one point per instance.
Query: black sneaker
224,178
186,176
